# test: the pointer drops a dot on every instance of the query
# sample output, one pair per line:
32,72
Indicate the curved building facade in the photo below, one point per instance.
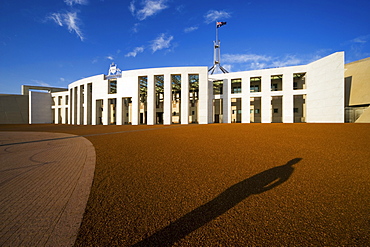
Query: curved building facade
308,93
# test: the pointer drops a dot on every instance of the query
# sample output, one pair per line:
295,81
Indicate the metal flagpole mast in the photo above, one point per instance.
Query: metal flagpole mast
217,53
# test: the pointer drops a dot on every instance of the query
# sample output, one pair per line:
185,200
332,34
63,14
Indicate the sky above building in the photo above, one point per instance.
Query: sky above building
56,42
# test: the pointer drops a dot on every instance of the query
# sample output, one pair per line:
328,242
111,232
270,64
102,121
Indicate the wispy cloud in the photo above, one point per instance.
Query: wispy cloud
257,61
148,8
361,39
242,58
68,19
288,60
110,58
190,29
72,2
41,83
135,52
216,15
161,42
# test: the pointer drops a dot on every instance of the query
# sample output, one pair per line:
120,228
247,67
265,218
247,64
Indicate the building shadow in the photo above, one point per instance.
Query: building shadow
195,219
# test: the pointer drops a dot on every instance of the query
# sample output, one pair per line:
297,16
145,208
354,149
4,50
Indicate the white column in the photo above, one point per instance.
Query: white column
151,107
85,104
203,98
288,103
246,117
105,111
119,111
167,101
56,113
226,118
210,100
184,98
93,111
266,99
79,101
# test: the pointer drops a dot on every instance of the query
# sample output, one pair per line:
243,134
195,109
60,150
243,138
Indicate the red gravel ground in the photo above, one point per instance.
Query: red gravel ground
226,184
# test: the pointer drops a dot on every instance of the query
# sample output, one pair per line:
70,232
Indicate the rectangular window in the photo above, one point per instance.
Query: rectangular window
66,99
295,110
236,86
112,86
276,110
255,84
218,87
276,82
257,111
299,81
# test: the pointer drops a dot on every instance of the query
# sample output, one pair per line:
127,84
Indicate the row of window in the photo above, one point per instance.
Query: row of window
255,84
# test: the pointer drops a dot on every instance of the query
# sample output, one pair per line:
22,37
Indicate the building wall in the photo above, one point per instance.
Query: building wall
325,90
40,108
320,99
128,87
357,84
13,109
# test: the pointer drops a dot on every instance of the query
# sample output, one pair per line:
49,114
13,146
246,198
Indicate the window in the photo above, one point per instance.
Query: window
66,99
112,86
276,110
236,85
255,84
218,87
257,111
295,110
255,88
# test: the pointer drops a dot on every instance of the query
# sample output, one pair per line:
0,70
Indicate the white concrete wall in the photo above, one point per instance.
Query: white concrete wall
325,90
40,110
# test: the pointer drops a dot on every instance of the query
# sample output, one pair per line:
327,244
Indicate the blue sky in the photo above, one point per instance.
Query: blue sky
56,42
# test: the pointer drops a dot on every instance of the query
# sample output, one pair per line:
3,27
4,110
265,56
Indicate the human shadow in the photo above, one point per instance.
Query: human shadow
195,219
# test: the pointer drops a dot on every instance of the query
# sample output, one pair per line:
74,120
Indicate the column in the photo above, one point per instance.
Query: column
226,118
246,117
105,111
184,99
151,107
79,102
167,101
119,111
288,101
203,98
266,99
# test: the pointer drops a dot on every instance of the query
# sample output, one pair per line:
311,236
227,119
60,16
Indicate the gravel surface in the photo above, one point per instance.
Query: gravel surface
226,184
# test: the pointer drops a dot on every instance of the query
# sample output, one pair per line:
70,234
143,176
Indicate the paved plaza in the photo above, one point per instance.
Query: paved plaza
194,185
45,181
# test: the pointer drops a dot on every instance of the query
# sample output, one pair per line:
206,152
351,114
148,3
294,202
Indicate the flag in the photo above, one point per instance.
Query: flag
220,23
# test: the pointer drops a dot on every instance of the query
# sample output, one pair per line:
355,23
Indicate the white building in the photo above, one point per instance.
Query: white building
309,93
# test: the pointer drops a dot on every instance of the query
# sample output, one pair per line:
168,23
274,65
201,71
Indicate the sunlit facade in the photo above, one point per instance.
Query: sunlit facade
183,95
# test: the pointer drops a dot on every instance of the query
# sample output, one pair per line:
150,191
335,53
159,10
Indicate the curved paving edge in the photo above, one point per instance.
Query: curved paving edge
45,182
65,233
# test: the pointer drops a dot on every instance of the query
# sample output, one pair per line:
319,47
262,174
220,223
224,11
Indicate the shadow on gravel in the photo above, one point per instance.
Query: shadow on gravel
195,219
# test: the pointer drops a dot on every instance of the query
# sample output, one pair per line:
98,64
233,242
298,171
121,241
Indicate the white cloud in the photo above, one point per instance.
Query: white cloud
161,42
215,15
72,2
190,29
41,83
68,19
361,39
289,60
110,58
135,52
255,61
132,7
62,79
149,8
242,58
